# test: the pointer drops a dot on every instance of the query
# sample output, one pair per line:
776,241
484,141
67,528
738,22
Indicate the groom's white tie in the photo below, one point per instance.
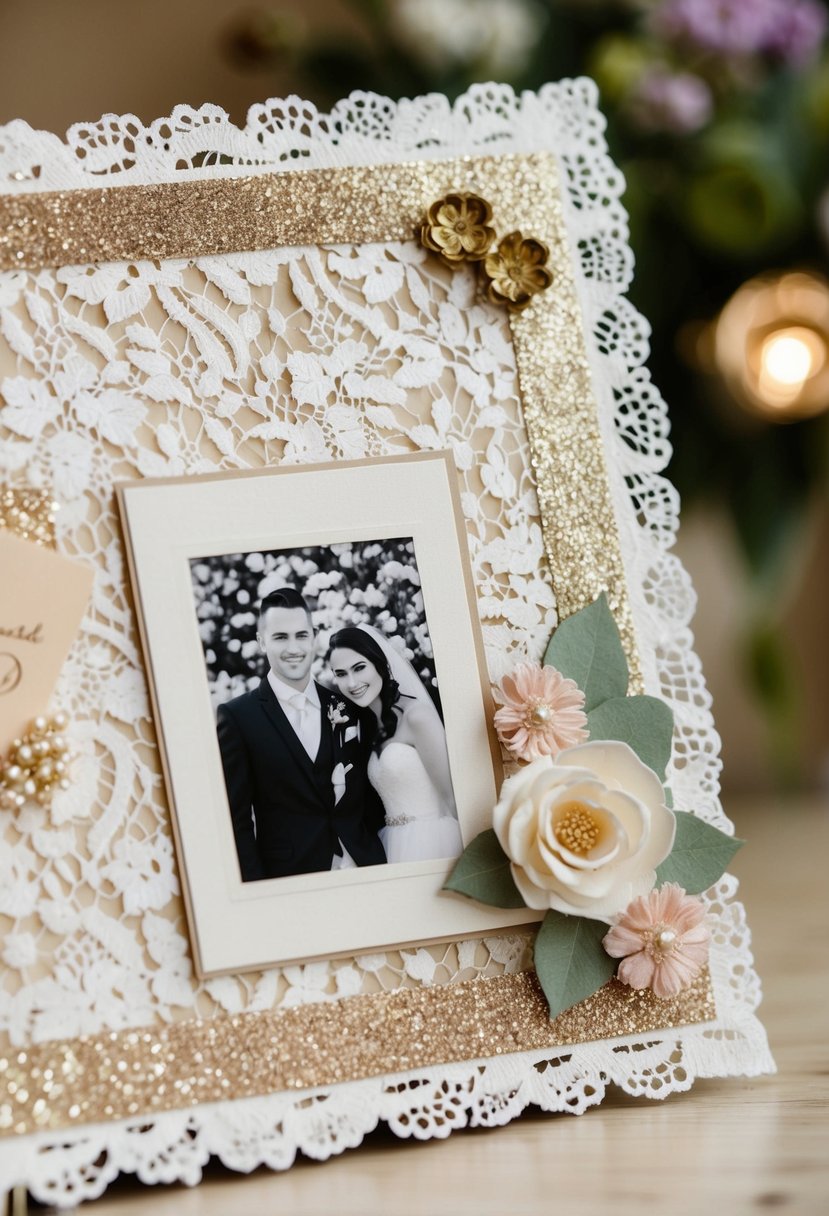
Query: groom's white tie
305,719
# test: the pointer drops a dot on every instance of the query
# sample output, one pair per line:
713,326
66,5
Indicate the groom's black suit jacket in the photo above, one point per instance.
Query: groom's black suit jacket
282,802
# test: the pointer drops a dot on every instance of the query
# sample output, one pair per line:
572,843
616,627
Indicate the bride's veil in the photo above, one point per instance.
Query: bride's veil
403,672
411,685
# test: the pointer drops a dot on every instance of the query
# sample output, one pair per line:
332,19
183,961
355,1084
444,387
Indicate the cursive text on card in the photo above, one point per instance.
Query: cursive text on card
10,672
23,633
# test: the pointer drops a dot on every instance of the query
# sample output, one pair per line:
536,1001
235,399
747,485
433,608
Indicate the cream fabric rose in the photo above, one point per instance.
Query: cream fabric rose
586,831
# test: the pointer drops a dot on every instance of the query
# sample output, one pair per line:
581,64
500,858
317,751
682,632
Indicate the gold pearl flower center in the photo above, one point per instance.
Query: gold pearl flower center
664,939
577,829
539,715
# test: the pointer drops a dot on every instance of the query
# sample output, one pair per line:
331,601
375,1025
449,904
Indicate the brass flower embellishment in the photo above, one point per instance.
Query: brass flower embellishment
457,228
517,270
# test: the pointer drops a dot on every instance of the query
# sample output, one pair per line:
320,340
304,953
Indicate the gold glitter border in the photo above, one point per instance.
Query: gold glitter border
126,1073
193,219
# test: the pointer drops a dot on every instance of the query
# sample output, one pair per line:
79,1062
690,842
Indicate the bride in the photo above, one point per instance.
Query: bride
409,763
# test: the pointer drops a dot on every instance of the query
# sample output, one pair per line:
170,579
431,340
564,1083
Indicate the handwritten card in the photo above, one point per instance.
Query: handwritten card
43,597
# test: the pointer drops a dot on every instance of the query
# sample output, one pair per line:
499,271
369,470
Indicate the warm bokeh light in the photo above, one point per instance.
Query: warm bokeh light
787,357
771,345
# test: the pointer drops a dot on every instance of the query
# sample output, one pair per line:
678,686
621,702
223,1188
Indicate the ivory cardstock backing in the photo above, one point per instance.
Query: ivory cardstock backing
554,488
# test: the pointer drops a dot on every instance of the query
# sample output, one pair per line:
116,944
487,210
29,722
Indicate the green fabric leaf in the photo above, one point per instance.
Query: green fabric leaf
646,723
587,648
570,961
482,872
700,855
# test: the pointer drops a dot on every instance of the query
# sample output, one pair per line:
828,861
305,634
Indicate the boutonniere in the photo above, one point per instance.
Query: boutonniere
338,714
585,829
338,777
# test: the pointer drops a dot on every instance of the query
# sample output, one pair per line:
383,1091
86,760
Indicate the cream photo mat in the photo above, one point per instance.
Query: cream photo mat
237,926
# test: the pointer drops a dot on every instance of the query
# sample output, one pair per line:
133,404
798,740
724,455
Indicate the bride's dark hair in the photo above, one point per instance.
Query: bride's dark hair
352,638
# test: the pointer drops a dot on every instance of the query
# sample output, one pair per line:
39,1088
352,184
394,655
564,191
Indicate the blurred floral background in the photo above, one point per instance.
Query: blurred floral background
353,583
718,113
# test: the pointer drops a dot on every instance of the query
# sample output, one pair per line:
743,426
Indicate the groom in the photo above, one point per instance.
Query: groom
283,746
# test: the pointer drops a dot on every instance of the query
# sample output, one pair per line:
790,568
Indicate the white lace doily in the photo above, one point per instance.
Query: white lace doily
147,369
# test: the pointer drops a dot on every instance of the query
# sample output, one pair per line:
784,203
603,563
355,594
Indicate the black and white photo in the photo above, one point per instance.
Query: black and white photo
321,672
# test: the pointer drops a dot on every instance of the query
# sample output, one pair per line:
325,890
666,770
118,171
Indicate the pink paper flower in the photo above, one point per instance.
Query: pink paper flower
542,712
661,940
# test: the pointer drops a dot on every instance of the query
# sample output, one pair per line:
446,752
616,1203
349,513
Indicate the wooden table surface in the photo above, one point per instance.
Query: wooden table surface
724,1148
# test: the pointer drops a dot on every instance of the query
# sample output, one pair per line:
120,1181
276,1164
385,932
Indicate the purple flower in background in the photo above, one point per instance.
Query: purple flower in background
727,27
791,30
674,102
798,31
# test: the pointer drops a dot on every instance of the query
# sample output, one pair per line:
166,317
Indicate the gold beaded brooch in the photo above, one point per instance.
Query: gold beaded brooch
36,765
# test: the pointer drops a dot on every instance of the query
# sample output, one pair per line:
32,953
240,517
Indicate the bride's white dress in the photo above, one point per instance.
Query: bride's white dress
417,828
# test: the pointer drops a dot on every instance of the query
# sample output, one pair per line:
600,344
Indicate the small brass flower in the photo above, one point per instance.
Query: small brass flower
457,227
517,271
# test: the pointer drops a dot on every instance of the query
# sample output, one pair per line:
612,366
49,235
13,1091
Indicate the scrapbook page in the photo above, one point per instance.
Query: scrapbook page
378,779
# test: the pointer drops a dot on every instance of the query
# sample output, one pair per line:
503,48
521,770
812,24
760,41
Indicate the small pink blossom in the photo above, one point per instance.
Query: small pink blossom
542,712
661,940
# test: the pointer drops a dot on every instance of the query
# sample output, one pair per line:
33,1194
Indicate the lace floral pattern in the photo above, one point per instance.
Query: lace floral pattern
156,370
252,381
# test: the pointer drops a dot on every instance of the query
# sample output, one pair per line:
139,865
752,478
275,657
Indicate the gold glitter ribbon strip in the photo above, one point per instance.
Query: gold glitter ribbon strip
199,218
130,1072
578,520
